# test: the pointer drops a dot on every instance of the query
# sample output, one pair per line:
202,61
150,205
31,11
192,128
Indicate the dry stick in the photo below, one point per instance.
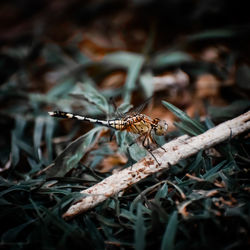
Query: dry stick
176,150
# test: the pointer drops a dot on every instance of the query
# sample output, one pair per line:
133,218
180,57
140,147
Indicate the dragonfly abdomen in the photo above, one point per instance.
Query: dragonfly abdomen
67,115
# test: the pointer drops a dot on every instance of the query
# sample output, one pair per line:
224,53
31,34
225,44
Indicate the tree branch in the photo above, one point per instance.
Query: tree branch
176,150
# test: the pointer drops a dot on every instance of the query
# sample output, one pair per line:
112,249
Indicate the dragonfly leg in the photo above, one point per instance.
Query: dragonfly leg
147,147
112,133
135,140
161,147
156,143
153,156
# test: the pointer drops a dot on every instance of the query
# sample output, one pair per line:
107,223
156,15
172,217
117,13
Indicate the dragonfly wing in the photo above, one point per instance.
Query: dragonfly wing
116,113
137,110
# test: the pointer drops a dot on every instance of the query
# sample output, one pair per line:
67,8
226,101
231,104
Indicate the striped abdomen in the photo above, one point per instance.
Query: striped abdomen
67,115
116,124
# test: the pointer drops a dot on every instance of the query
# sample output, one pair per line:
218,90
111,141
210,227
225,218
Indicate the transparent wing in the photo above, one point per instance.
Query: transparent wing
137,110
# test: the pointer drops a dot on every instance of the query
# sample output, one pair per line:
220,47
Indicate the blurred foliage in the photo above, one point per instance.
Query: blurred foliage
190,56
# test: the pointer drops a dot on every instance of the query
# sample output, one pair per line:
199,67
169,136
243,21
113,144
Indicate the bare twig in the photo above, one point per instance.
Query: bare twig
176,150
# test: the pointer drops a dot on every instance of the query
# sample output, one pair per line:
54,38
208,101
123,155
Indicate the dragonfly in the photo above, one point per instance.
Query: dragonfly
135,123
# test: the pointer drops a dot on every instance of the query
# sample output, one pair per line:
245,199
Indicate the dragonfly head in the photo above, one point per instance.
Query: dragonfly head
161,127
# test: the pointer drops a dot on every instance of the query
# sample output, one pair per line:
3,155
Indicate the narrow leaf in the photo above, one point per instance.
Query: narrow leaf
37,136
92,95
171,58
132,75
212,34
133,63
146,82
184,117
170,232
61,89
70,157
12,234
162,192
96,236
49,129
140,229
15,151
214,170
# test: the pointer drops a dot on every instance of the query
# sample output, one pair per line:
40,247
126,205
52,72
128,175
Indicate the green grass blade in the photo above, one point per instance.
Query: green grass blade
15,151
170,58
170,232
140,229
133,63
94,234
212,34
187,121
162,192
61,89
12,234
49,129
70,157
92,95
132,75
207,176
37,136
15,135
186,128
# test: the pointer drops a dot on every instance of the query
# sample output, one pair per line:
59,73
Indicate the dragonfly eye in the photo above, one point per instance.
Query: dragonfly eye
161,128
